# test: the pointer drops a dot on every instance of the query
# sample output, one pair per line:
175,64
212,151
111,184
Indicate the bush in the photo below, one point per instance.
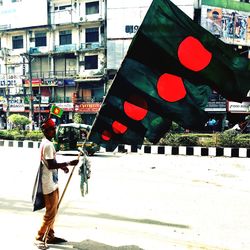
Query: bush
228,138
180,140
34,135
188,140
15,134
170,139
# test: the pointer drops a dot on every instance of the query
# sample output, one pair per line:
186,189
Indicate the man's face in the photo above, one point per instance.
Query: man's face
51,132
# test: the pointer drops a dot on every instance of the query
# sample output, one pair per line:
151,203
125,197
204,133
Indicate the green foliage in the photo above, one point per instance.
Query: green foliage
175,128
19,121
15,134
34,135
228,138
77,118
170,139
173,139
188,140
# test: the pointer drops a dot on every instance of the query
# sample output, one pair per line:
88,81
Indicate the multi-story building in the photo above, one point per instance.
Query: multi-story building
52,52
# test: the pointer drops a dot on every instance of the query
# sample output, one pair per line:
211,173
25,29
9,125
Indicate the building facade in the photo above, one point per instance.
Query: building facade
52,52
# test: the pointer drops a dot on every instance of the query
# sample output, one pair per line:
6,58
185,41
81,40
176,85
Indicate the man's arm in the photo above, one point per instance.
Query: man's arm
53,164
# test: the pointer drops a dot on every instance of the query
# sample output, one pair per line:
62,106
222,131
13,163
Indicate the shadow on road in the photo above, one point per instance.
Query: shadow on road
92,245
24,206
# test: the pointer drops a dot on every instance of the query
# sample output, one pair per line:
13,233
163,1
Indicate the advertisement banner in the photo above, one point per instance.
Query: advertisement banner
88,107
236,107
229,25
68,106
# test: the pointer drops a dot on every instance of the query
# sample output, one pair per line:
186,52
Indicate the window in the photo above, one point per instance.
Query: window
63,7
92,35
65,37
91,62
11,70
92,8
40,39
17,42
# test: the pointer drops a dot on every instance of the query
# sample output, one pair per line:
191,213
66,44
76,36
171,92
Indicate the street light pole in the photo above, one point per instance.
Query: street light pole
5,53
6,85
31,106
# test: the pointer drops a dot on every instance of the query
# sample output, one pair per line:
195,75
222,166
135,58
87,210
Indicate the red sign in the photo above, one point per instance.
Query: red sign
88,107
35,82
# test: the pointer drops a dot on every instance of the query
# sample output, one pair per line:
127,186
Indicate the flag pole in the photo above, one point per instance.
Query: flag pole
45,237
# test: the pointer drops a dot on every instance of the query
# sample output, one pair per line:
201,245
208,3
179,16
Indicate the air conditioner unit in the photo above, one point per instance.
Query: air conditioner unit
34,50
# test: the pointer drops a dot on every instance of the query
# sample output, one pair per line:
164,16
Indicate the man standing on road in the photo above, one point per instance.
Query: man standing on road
50,182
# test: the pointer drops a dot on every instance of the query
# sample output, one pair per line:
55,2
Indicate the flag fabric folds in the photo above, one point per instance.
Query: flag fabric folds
55,110
167,75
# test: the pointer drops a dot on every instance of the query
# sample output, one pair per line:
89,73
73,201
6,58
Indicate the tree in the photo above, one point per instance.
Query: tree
18,121
77,118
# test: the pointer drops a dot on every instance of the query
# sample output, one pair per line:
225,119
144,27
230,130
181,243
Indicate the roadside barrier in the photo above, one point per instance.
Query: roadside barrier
153,149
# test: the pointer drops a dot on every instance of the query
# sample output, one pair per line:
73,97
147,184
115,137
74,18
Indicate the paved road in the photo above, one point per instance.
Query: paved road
151,202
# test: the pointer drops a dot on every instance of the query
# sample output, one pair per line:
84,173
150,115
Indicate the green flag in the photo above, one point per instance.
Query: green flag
168,73
55,110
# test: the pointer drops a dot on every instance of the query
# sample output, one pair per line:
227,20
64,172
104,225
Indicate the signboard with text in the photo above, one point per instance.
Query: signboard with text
88,107
236,107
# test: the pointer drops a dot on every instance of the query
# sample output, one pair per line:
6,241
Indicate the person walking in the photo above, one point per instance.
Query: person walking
50,183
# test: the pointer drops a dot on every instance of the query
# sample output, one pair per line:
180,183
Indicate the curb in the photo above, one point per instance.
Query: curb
153,149
19,144
186,150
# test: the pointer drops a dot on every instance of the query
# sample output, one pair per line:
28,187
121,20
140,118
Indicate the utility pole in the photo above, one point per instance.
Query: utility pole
5,53
31,97
31,105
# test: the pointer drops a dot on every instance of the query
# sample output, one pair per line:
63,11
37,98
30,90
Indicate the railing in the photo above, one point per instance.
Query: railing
65,48
54,74
91,46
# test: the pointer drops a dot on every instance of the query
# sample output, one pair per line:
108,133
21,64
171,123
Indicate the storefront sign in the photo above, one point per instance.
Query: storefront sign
65,106
11,83
217,106
35,82
69,82
16,107
44,99
236,107
88,107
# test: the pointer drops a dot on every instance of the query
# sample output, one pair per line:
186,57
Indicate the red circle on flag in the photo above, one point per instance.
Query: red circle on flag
106,135
171,88
119,128
136,108
193,55
56,110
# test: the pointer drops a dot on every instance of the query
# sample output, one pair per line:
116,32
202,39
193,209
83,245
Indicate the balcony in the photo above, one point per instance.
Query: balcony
65,48
91,46
54,74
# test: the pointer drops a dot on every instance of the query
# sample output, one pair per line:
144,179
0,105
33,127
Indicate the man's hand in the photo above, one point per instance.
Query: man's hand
65,169
73,162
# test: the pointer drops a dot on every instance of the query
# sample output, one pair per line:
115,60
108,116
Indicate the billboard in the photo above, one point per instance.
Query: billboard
231,26
25,13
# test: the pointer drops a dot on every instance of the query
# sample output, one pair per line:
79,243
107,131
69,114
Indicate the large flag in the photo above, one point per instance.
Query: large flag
167,75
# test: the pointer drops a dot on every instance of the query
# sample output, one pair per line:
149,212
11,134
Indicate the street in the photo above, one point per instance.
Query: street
135,201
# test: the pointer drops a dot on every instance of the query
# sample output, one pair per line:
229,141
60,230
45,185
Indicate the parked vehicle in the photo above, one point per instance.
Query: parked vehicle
70,136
